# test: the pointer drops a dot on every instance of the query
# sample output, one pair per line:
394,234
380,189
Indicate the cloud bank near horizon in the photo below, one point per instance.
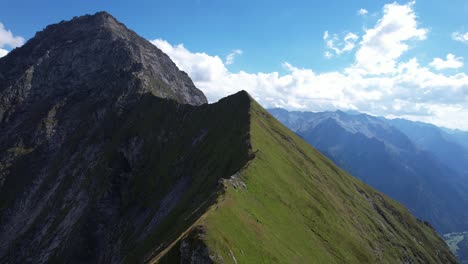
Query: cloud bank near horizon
378,82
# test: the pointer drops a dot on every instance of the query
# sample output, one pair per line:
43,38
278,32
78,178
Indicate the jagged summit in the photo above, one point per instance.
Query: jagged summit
99,25
96,52
100,20
241,95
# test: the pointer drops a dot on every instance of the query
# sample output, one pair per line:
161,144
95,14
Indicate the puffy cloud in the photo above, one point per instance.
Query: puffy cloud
200,66
8,39
3,52
362,12
338,46
413,92
383,44
451,62
462,37
230,57
349,40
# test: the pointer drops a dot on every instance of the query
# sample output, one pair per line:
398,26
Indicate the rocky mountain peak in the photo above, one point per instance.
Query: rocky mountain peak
80,71
87,23
93,54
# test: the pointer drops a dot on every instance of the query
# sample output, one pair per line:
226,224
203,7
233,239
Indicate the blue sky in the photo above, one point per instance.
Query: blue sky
280,54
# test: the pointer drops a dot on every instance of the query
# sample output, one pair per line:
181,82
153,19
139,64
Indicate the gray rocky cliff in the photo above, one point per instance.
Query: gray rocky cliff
102,139
85,67
92,54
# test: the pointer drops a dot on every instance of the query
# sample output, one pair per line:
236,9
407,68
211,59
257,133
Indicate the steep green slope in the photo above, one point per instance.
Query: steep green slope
290,204
384,157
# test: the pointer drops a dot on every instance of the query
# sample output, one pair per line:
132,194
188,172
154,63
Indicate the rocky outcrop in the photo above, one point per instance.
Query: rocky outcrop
193,250
92,54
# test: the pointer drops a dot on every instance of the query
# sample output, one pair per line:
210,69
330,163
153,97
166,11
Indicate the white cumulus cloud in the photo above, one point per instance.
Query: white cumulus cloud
3,52
459,36
200,66
362,12
231,56
383,44
8,39
451,62
326,35
339,46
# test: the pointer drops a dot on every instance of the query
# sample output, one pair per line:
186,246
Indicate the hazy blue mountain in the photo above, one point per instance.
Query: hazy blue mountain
445,146
388,159
460,137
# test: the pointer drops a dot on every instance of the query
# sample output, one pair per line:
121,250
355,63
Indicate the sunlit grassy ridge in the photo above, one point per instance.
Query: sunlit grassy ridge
298,207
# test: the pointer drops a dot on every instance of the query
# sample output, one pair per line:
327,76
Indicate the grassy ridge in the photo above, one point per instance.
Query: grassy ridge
298,207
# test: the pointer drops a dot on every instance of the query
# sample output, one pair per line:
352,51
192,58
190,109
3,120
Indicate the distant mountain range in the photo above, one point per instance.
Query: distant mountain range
422,166
110,154
448,146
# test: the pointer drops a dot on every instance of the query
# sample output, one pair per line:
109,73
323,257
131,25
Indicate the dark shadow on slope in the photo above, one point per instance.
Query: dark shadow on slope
132,183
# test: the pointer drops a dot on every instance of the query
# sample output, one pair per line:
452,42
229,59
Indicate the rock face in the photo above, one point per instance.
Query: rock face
88,67
66,172
92,56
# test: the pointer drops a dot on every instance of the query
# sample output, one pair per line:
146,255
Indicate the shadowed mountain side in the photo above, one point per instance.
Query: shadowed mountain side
124,184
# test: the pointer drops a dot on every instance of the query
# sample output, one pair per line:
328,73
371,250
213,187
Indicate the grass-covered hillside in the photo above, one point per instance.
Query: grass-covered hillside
290,204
